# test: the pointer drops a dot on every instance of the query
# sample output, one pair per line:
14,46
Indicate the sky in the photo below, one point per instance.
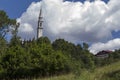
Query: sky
15,8
93,21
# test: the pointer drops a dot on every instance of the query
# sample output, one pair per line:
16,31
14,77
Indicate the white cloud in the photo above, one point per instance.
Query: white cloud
28,21
110,45
73,21
26,27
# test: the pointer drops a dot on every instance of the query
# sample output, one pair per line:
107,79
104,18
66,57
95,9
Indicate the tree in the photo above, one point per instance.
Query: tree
15,63
5,23
15,40
43,40
85,46
3,46
65,46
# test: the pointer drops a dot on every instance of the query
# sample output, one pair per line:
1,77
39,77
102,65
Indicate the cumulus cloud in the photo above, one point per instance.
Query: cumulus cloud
110,45
28,21
74,21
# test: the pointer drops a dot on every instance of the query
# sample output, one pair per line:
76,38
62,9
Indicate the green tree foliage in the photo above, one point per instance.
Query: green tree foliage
3,46
5,22
14,60
38,58
65,46
46,60
75,52
85,46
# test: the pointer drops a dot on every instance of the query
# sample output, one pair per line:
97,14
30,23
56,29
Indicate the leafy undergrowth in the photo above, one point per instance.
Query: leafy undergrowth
103,73
62,77
100,73
115,75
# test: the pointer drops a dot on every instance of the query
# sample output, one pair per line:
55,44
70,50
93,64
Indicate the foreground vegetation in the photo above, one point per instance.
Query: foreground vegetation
108,72
41,58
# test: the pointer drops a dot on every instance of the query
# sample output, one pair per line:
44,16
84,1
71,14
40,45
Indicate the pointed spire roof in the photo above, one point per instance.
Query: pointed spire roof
40,24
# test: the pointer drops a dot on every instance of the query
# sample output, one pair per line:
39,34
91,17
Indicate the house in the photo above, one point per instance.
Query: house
103,54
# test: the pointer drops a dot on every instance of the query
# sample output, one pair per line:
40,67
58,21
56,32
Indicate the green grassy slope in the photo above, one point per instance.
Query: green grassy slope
98,74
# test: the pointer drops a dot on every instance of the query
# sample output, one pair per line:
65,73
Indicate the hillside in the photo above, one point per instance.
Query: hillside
98,74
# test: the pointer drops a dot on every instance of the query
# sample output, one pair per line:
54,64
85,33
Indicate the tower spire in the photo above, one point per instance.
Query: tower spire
40,25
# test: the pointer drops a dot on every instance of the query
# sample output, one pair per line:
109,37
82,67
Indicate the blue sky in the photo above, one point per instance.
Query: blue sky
75,27
15,8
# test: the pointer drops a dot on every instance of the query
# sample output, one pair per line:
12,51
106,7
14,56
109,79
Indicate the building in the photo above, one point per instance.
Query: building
40,25
39,29
103,54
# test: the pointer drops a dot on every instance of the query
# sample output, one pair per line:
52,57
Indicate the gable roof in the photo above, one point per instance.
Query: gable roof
103,52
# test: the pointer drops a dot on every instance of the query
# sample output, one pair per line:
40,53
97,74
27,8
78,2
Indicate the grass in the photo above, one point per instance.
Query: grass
62,77
98,74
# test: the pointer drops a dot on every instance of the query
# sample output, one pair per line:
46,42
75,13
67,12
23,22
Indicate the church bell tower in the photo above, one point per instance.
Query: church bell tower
40,25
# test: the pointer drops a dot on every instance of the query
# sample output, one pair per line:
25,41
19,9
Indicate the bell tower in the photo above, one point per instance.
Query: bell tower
40,25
